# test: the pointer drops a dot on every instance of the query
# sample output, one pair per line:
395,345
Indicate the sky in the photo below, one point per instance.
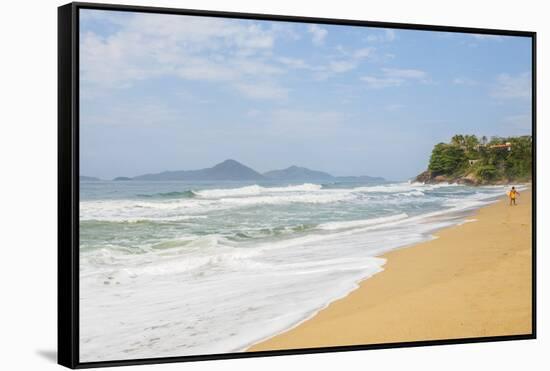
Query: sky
171,92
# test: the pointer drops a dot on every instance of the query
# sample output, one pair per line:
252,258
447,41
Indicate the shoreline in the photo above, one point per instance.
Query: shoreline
473,279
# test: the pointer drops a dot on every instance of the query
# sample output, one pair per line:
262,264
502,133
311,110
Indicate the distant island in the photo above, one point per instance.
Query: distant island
231,170
468,159
227,170
297,173
304,174
84,178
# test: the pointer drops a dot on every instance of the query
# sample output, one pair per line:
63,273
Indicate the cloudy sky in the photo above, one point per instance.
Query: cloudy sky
170,92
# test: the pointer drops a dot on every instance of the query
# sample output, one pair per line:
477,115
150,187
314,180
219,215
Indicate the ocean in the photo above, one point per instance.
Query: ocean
179,268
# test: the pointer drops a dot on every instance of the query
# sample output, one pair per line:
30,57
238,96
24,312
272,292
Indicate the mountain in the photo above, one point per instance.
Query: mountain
227,170
234,170
84,178
119,178
297,173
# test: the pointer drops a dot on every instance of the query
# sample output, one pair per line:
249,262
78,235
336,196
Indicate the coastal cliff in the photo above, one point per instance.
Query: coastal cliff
470,160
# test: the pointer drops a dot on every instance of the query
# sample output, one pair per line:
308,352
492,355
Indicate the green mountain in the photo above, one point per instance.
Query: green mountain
84,178
227,170
234,170
468,159
297,173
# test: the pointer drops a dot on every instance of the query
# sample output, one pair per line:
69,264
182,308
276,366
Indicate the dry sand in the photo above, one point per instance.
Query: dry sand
474,280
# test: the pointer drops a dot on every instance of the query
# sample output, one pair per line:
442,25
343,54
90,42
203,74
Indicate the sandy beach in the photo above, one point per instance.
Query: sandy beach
473,280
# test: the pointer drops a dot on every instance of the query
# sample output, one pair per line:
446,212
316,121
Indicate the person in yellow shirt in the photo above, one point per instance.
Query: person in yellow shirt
513,194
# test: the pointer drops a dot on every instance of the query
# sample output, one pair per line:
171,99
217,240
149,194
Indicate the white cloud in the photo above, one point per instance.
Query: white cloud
512,87
342,65
286,30
487,37
388,35
192,48
362,53
318,34
262,91
392,77
381,82
405,73
346,60
464,81
343,61
294,62
234,54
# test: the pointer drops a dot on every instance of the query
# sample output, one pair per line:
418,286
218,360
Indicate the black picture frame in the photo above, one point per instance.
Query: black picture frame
68,182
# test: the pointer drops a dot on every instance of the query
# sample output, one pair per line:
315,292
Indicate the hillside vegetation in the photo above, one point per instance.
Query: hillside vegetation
471,160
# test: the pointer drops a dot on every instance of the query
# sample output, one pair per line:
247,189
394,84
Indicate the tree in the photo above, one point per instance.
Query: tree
518,162
471,142
457,140
447,159
494,163
487,172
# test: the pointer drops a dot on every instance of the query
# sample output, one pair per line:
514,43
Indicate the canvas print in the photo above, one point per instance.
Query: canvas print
251,185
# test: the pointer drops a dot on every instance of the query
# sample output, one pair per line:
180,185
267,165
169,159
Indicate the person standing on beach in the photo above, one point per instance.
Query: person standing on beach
513,194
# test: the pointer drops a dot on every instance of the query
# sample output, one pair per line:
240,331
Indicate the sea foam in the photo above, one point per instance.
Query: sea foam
230,266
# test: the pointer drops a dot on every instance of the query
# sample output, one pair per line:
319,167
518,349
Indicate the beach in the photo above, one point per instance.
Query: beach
472,280
275,254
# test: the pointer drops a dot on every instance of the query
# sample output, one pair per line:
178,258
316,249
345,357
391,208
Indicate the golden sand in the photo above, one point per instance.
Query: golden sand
474,280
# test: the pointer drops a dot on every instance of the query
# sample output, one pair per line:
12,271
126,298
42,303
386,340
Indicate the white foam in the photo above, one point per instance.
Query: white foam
223,299
256,190
465,221
124,210
209,295
331,226
402,187
221,199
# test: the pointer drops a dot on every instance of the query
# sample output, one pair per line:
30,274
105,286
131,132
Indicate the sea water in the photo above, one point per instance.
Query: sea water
178,268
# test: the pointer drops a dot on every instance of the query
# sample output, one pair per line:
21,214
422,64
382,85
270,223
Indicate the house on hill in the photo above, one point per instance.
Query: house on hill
507,146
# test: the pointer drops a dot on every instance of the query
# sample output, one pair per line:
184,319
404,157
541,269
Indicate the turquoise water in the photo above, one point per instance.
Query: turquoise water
176,268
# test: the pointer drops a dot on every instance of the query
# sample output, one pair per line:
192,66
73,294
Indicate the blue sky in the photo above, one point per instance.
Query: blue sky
168,92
